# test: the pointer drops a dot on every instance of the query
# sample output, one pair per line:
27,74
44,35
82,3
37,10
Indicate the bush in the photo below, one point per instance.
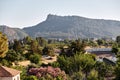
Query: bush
35,58
49,73
30,78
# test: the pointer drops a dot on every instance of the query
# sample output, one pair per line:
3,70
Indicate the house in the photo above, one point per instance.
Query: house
9,73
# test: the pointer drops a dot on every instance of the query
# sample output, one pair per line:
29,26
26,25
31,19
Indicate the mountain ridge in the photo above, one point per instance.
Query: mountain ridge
12,33
73,27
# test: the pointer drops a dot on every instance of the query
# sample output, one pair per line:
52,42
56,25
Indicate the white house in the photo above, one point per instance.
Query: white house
9,73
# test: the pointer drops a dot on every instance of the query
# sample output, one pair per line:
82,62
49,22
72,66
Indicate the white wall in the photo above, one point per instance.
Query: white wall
17,77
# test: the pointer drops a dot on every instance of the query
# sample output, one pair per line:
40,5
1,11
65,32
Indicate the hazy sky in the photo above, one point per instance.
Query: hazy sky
23,13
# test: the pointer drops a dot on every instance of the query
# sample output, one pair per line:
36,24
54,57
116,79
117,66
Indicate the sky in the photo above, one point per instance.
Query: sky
25,13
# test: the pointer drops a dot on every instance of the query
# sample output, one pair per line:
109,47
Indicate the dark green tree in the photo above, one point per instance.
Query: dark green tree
117,69
41,41
34,47
100,42
35,58
77,46
27,40
17,45
13,56
48,50
118,40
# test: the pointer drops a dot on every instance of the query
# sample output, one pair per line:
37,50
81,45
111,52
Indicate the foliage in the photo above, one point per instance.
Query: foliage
30,78
93,75
17,46
41,41
27,40
79,62
118,40
14,56
3,45
115,48
48,50
100,42
49,73
5,62
117,69
78,76
74,47
35,58
34,46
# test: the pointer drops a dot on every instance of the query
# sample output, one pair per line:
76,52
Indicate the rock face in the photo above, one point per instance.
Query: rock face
13,33
66,27
74,27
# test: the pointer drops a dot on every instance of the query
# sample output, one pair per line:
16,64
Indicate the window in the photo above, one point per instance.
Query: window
17,77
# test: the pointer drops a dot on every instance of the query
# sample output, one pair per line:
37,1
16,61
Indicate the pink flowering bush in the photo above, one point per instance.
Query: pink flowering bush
43,71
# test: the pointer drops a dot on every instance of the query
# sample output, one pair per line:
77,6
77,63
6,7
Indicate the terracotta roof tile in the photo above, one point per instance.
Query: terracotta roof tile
8,72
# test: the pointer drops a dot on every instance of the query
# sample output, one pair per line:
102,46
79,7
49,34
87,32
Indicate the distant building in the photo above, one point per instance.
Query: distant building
9,73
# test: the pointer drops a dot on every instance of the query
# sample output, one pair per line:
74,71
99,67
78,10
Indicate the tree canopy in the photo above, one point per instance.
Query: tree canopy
3,45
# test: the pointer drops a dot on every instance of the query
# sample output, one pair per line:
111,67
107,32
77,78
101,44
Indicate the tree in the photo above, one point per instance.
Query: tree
42,42
30,78
35,58
117,69
77,46
27,40
76,63
93,75
78,76
100,42
34,46
17,45
103,69
115,48
74,47
118,40
3,45
12,56
48,50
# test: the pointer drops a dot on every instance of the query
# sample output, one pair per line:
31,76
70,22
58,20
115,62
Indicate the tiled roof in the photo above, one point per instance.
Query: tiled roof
8,72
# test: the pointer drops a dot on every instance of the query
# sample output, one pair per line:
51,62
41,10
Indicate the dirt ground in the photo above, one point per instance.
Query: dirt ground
49,60
45,60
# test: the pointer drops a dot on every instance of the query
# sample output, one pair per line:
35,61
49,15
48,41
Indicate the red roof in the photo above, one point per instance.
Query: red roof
8,72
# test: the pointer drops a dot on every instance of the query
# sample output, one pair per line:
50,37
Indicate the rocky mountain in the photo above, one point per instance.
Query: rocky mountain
13,33
74,27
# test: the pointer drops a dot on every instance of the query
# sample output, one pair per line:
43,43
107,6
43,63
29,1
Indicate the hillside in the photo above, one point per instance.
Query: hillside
13,33
73,27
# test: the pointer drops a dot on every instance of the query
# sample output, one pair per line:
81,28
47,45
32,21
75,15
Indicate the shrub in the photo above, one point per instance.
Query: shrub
35,58
48,73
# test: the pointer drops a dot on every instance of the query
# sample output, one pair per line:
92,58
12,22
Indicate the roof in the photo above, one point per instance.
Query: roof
8,72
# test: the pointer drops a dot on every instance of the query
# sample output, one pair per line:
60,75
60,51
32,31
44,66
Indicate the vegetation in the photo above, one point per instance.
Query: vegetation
35,58
3,45
48,73
72,61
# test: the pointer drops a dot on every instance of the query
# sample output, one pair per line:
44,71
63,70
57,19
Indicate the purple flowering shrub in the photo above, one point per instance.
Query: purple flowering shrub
43,71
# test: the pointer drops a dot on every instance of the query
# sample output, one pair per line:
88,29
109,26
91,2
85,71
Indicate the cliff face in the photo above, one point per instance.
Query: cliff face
73,27
66,27
12,33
